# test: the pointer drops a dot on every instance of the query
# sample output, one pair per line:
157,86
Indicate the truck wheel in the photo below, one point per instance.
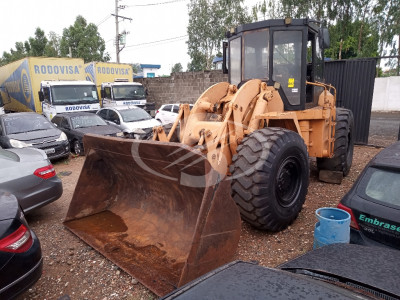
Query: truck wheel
344,144
270,176
77,148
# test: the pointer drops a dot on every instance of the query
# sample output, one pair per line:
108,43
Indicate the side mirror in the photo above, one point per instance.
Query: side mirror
224,62
146,92
41,96
102,94
116,121
324,39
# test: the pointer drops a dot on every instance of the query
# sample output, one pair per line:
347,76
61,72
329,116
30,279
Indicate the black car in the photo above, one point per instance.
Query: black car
336,271
374,201
20,252
29,129
76,124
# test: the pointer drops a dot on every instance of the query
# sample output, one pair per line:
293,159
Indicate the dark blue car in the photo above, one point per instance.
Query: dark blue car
374,201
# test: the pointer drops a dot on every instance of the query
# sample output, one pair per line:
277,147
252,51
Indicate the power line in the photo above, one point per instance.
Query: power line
154,42
104,19
159,3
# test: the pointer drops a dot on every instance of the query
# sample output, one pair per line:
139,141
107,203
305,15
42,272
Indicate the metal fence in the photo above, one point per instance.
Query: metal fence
354,81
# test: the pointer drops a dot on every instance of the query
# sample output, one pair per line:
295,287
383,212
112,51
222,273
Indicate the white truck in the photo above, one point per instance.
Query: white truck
116,87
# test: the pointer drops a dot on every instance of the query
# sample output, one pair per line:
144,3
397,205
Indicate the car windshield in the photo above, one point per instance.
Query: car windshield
74,94
134,115
25,123
129,92
382,185
87,121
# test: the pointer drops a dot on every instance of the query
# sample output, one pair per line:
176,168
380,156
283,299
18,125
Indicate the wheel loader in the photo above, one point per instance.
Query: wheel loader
168,210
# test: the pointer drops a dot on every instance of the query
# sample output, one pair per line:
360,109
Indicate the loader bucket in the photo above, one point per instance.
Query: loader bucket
157,210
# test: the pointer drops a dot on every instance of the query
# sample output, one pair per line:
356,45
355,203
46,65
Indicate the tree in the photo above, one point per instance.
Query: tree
208,22
52,48
136,68
84,41
36,45
177,68
388,13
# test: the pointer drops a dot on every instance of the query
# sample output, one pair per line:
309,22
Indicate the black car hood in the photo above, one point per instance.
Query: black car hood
36,136
103,130
373,266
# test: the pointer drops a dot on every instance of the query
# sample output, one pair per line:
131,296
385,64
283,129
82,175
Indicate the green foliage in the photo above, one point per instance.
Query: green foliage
136,68
177,68
208,22
84,41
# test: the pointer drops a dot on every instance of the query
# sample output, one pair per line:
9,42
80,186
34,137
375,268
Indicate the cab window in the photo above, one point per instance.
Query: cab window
287,63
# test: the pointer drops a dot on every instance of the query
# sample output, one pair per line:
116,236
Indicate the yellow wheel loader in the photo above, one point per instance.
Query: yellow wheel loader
167,210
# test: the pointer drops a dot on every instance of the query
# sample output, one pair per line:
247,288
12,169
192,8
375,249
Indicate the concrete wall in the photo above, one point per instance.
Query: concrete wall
386,94
185,87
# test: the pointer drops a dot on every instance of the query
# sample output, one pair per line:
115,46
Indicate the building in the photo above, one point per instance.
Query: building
149,71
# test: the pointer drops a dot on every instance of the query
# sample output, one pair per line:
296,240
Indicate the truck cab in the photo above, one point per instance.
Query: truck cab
68,96
123,92
287,53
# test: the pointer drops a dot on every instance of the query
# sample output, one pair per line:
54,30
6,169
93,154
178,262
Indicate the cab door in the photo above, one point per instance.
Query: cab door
48,109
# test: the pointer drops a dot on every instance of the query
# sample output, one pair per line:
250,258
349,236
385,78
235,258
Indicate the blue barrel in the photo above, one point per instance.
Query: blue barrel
333,226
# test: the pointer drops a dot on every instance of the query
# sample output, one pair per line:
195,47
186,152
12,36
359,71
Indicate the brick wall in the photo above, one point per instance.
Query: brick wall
184,87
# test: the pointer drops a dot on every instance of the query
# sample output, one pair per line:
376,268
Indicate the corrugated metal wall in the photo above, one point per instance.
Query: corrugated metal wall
354,82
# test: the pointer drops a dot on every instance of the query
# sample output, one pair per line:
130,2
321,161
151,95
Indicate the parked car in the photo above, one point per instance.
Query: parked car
134,121
336,271
20,252
374,201
76,124
29,175
29,129
167,113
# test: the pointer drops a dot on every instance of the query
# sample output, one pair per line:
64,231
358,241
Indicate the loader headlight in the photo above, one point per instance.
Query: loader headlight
19,144
62,137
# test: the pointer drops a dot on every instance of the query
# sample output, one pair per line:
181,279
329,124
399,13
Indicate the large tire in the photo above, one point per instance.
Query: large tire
342,158
270,176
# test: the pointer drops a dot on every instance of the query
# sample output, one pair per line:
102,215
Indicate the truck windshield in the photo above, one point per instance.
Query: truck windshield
256,55
74,94
129,92
134,115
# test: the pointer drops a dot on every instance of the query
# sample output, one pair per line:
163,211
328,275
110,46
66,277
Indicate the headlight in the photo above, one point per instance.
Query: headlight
119,134
19,144
62,137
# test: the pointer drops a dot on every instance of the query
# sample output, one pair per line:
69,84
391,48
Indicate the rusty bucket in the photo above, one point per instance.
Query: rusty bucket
157,210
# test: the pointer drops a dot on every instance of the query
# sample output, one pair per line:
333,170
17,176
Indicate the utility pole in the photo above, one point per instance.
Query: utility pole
118,49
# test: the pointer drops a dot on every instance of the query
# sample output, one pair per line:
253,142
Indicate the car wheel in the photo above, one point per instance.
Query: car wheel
344,144
78,150
270,176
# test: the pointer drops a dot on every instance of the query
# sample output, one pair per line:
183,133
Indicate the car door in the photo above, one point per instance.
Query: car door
166,114
114,119
173,114
65,125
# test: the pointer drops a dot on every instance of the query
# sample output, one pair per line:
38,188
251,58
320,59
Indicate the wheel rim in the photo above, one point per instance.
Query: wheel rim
288,181
77,148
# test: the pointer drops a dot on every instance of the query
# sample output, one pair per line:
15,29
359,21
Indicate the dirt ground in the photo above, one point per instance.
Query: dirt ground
73,268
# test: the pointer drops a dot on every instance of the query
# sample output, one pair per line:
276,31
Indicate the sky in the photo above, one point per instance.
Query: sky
157,31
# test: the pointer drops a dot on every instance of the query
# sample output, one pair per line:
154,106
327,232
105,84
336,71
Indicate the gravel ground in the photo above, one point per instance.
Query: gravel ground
73,268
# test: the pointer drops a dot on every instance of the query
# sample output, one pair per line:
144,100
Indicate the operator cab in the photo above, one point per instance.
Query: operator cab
288,52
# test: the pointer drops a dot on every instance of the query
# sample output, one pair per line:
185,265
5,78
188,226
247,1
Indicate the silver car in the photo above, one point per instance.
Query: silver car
28,174
134,121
